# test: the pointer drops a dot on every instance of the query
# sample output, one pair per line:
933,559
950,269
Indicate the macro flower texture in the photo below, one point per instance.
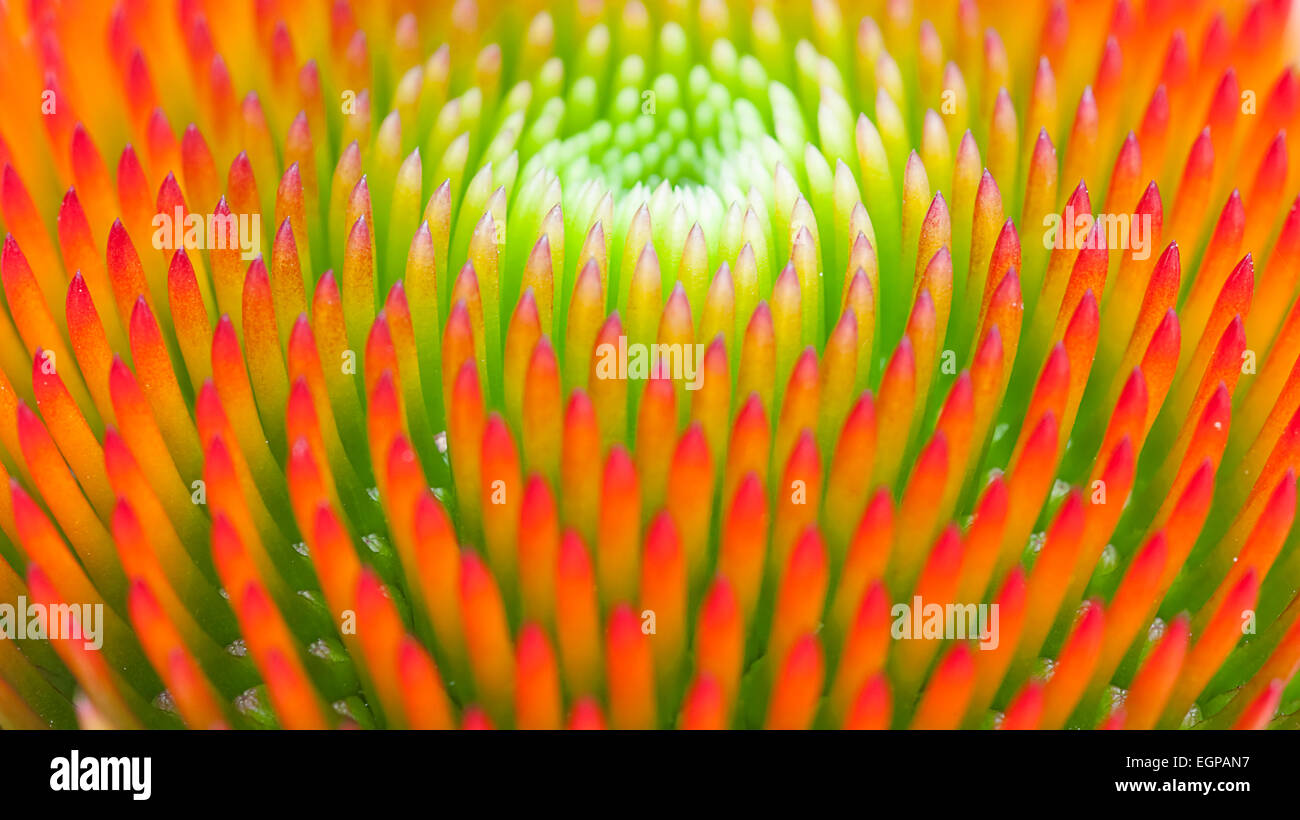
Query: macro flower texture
649,364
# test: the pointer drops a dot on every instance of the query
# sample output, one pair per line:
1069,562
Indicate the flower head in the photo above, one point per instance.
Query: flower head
649,364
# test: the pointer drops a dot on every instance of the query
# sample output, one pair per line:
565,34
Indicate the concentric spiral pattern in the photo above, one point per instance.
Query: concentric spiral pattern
649,364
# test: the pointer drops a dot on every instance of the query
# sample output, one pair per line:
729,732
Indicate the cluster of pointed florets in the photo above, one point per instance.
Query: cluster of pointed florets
649,364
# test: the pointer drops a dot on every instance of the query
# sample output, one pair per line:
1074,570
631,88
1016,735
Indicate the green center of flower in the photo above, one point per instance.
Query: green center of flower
706,130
